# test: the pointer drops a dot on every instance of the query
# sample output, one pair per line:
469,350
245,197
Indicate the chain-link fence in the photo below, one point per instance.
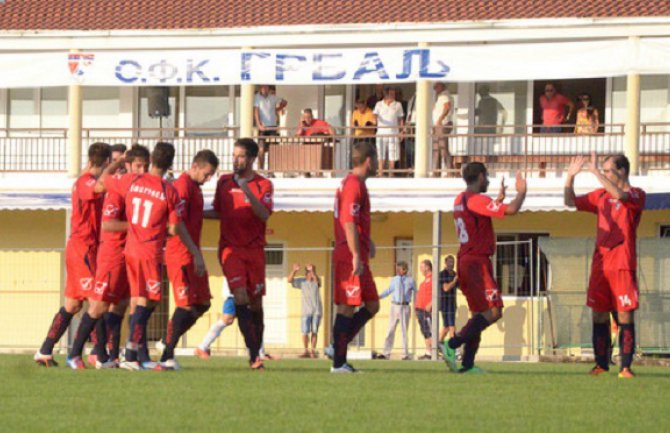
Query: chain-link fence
565,325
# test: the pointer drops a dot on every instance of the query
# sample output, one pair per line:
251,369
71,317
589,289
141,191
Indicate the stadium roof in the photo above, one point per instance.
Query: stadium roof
221,14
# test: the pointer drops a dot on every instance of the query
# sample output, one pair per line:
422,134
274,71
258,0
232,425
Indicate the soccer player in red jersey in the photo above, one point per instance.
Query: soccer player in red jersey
81,249
243,203
613,283
191,291
354,285
473,211
152,212
111,290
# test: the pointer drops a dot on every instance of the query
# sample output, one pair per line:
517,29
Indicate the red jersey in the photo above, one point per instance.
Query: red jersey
617,224
317,127
553,109
151,204
239,226
425,294
86,211
472,216
112,243
352,204
192,213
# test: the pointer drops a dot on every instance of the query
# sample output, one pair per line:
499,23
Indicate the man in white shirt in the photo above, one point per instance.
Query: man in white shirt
443,115
390,120
266,108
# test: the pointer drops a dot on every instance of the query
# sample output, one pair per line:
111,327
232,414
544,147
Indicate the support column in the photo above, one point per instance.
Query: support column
247,108
422,145
75,119
435,314
632,146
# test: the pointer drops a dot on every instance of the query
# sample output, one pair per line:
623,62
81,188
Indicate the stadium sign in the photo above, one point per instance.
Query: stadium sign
482,62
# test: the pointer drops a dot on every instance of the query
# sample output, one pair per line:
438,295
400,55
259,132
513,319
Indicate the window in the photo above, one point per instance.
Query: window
101,108
596,87
512,97
53,107
32,109
23,111
664,232
513,260
207,107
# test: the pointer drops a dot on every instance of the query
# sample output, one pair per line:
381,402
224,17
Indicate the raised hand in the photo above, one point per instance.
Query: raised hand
502,193
520,185
576,165
296,267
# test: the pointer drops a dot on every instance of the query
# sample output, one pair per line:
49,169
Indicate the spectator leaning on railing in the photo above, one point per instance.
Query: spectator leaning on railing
390,119
266,107
587,116
443,124
309,126
363,122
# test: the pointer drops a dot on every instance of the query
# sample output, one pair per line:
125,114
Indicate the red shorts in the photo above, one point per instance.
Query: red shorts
475,275
111,281
187,287
611,289
80,266
145,277
353,290
244,267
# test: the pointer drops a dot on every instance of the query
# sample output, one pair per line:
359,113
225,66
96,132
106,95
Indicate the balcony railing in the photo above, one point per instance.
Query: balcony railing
508,148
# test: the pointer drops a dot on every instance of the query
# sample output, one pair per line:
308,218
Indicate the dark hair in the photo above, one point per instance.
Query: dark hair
402,265
99,153
308,110
450,256
472,171
206,156
119,147
249,145
621,161
361,151
428,263
137,151
163,155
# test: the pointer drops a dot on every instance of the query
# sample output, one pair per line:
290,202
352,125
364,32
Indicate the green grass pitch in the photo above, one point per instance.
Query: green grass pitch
223,395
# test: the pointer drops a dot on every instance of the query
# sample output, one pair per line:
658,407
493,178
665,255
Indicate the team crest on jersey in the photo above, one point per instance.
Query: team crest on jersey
182,292
100,287
492,295
86,283
355,209
267,198
352,290
111,210
153,286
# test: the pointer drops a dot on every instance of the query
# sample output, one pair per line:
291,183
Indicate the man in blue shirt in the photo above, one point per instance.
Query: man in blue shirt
402,290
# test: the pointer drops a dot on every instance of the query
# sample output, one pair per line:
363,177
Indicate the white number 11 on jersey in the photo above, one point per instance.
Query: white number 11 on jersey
146,204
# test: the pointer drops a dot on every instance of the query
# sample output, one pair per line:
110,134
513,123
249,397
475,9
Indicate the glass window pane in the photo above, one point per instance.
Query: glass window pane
101,107
22,110
207,107
54,107
334,107
494,97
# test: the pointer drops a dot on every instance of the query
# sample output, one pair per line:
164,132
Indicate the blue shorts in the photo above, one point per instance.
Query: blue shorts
310,324
229,306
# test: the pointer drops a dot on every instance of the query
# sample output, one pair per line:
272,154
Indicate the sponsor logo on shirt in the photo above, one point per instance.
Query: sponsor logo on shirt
259,288
267,198
494,206
100,287
153,286
352,290
492,295
111,210
182,292
90,182
86,283
355,209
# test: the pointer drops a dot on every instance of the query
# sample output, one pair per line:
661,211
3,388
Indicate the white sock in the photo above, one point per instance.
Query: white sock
213,334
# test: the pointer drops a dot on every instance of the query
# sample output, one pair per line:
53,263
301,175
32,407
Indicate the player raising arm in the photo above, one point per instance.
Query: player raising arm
613,283
473,211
